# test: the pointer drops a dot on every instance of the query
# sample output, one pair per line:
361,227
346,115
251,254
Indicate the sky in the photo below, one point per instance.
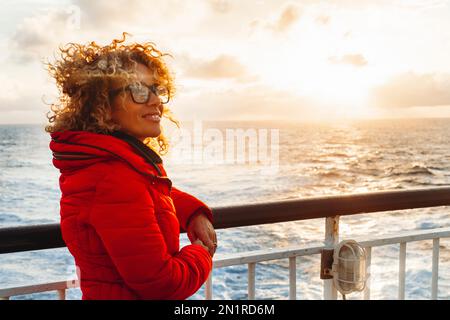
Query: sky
306,60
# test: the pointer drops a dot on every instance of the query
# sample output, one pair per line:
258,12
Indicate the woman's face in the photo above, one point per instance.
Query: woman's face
138,120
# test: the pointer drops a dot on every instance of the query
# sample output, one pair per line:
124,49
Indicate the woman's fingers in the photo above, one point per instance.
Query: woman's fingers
198,241
215,236
191,235
208,240
214,239
211,240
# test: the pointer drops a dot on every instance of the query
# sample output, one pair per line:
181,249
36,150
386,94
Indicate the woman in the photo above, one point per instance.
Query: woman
120,215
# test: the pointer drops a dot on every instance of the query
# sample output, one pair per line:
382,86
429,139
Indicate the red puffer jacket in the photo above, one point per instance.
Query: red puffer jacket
121,221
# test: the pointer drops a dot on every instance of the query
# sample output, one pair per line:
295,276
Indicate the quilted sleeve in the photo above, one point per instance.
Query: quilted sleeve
123,215
187,206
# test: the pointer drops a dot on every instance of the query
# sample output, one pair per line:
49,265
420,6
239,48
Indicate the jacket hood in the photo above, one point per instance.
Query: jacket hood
74,150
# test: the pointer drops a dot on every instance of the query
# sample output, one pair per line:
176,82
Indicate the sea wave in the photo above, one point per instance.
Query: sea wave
314,161
409,170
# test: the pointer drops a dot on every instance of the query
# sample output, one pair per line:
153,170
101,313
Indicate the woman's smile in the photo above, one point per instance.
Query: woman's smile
154,117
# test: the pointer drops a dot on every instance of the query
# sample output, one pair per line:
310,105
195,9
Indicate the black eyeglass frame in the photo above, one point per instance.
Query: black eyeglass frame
152,88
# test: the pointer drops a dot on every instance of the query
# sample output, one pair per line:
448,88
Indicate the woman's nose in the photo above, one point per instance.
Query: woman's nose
154,101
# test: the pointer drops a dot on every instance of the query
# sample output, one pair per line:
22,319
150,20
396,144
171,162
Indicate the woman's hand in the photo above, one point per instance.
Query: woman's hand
198,241
200,228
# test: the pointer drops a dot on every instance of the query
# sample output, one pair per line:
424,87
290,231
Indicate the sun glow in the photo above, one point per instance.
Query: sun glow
336,86
315,70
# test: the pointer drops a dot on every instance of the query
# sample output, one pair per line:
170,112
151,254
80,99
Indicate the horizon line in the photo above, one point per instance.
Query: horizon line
274,120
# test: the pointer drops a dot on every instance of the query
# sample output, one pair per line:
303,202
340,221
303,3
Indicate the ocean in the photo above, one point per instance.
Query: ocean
312,160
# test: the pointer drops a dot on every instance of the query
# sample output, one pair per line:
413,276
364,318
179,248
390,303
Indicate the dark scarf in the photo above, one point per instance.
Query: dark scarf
147,153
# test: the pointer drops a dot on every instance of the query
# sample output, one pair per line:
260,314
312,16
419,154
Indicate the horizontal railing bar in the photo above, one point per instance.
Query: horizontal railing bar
329,206
408,236
26,238
231,259
256,256
44,287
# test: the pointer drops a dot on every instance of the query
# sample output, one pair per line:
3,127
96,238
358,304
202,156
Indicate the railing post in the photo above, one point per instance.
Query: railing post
251,281
62,294
208,288
369,276
292,278
331,240
435,269
401,271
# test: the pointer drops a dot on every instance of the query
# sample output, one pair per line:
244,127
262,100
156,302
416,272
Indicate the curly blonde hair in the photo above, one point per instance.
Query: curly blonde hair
84,74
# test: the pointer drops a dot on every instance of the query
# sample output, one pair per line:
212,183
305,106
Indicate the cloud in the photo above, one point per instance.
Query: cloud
323,19
35,36
223,66
24,107
413,90
423,4
252,102
220,6
289,15
101,12
38,36
226,67
25,90
413,4
151,14
356,60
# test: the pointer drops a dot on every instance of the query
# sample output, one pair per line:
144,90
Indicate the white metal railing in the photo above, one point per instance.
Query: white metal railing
291,253
59,287
251,258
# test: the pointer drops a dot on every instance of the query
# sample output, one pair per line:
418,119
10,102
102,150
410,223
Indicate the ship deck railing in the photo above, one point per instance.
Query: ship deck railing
331,208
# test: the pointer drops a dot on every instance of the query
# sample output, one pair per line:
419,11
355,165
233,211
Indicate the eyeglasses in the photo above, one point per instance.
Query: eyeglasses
140,92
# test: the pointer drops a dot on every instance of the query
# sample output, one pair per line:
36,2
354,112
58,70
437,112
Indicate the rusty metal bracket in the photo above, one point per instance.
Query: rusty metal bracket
326,263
